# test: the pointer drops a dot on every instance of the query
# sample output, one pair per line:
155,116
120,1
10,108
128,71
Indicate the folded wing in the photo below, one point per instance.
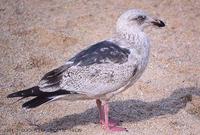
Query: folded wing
99,69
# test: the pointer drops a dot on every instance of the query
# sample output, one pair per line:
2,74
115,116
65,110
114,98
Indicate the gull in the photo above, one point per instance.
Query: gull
100,71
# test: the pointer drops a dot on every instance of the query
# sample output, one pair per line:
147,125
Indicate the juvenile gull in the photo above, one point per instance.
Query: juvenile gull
101,70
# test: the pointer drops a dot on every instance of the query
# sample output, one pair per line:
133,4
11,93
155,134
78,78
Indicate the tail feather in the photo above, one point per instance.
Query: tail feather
36,102
40,96
33,91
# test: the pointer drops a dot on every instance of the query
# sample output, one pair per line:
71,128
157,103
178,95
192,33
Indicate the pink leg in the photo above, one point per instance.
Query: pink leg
101,115
107,126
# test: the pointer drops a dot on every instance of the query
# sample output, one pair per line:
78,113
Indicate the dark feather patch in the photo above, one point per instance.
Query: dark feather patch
53,78
102,52
33,91
36,102
45,97
40,96
55,75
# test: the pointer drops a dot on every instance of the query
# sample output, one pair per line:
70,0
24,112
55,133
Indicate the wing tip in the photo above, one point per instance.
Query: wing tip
12,95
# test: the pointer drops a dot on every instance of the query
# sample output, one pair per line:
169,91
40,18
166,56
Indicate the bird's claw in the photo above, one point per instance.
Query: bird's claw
116,129
112,126
111,123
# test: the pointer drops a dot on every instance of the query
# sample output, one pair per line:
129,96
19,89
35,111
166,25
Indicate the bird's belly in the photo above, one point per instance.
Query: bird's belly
135,75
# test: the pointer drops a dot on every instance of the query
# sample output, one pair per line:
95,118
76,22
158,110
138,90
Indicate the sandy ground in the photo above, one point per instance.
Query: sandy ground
37,36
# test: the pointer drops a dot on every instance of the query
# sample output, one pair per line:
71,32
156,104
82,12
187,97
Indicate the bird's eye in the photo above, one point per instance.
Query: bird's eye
141,18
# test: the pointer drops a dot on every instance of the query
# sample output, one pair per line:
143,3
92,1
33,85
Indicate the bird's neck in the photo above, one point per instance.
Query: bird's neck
137,41
134,38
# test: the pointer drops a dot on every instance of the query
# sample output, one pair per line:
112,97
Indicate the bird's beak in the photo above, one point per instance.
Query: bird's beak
158,23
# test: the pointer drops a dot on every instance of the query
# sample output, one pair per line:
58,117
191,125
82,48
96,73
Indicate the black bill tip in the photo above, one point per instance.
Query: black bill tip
159,23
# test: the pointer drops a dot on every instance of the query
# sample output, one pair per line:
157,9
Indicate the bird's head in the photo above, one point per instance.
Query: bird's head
136,20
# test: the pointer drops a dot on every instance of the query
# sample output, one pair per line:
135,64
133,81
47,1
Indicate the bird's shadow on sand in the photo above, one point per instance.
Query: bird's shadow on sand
126,111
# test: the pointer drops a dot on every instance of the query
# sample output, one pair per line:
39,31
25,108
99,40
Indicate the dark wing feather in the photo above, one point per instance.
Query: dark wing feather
51,81
102,52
